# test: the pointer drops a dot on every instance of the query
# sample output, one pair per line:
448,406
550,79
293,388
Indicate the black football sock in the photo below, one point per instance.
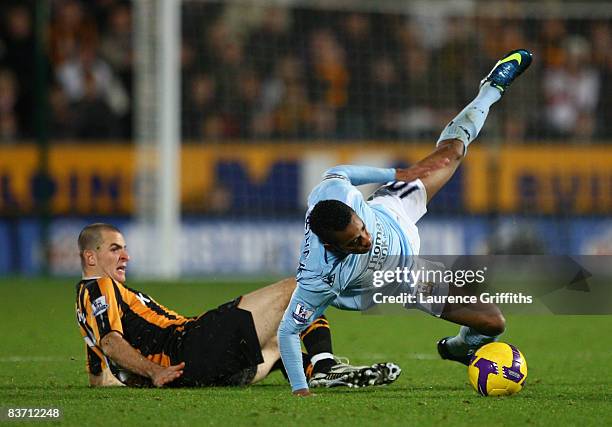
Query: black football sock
318,344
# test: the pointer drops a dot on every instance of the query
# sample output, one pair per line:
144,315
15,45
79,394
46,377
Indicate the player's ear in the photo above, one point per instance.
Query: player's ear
90,257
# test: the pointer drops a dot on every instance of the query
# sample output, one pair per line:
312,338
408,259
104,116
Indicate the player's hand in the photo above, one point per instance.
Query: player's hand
167,375
303,392
421,169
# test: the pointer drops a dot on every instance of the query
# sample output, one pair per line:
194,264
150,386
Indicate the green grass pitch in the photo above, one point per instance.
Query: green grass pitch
42,364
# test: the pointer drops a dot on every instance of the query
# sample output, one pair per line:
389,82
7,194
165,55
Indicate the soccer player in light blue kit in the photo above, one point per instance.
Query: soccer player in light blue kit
347,239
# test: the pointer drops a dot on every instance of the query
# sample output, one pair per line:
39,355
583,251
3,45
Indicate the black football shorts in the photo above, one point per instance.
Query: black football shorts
220,348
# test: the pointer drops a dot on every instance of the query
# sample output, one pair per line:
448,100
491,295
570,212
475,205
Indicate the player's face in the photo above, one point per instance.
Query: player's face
112,256
354,239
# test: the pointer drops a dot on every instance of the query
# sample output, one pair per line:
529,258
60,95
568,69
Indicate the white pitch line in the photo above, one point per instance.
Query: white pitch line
424,356
415,356
35,359
43,359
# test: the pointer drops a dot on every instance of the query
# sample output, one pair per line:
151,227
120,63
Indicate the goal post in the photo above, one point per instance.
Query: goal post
157,116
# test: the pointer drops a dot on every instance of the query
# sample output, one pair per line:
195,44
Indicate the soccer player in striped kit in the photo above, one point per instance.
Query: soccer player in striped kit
133,340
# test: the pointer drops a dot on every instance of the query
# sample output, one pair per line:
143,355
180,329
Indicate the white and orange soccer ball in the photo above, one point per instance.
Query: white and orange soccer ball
498,369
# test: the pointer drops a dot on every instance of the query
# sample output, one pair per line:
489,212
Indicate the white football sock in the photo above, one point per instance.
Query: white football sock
468,339
467,124
318,357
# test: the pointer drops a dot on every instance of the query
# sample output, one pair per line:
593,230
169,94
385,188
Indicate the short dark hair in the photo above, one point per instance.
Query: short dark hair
90,237
329,217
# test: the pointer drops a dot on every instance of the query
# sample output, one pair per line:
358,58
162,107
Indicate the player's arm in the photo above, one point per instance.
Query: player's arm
104,319
304,307
290,350
121,352
360,175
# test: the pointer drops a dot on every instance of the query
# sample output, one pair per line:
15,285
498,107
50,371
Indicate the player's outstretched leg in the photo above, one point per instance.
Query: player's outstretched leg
465,127
483,323
467,124
267,306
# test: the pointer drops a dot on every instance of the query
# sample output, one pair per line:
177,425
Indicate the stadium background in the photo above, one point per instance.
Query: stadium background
272,92
271,96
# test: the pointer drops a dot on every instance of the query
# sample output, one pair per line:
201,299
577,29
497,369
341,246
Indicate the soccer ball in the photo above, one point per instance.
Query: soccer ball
498,369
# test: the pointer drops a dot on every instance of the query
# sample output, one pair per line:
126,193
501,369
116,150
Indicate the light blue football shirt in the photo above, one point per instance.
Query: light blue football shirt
324,279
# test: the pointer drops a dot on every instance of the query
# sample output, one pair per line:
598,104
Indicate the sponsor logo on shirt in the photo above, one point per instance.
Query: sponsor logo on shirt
301,314
380,249
99,306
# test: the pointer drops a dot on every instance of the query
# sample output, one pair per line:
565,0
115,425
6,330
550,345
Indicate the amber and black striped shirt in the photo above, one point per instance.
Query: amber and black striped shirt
104,305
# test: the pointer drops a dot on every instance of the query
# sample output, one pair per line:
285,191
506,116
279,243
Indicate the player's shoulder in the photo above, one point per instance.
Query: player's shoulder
100,284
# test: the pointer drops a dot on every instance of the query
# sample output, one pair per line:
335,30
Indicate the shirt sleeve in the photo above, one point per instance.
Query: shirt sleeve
102,309
339,184
304,307
360,175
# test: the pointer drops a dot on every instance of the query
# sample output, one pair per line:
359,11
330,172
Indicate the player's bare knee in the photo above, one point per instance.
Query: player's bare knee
493,325
263,369
271,355
501,324
453,148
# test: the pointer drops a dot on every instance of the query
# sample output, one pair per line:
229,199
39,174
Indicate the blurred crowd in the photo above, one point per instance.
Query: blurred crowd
255,72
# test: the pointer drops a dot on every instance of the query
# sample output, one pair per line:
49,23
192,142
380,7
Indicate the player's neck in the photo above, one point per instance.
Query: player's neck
88,274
